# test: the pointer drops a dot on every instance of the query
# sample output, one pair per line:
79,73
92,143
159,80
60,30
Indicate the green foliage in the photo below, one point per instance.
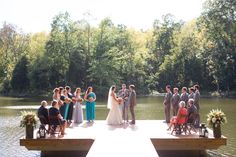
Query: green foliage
181,54
219,21
20,81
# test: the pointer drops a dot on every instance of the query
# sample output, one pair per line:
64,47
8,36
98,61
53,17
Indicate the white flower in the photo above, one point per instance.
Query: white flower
213,120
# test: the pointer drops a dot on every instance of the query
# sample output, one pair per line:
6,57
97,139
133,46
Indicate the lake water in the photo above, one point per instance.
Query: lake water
148,108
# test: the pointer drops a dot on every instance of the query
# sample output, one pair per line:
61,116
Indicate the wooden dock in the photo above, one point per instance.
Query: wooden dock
146,138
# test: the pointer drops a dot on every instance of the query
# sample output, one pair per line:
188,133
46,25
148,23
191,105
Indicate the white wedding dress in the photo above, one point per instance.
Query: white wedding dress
114,116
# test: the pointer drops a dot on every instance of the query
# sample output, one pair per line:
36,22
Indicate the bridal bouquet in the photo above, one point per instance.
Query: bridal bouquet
120,100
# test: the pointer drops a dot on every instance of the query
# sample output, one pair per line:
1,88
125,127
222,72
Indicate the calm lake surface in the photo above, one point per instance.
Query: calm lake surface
149,107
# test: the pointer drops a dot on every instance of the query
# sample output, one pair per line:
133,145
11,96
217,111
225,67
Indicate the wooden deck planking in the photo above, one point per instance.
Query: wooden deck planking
99,135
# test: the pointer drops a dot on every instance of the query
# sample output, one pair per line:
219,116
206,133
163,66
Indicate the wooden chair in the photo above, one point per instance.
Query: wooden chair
191,122
180,126
54,123
44,122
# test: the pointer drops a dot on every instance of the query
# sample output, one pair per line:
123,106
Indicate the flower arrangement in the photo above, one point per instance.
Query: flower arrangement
120,100
28,118
90,99
216,117
67,100
80,100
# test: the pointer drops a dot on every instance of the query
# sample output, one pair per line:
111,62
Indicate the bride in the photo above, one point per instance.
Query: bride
114,116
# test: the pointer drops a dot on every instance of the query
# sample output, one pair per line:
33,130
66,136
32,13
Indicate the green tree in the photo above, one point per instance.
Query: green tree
20,81
13,45
219,20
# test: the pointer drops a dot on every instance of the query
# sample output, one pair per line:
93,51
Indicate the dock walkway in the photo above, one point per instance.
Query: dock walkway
142,139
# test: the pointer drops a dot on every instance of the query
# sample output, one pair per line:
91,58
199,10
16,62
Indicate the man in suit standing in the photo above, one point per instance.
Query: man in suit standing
167,102
191,93
132,102
175,101
197,97
124,94
184,95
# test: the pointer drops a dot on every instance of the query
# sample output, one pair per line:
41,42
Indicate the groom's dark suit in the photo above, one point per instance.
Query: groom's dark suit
132,103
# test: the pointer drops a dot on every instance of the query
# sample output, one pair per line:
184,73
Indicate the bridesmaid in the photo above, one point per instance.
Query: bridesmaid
56,94
90,99
71,104
65,107
78,112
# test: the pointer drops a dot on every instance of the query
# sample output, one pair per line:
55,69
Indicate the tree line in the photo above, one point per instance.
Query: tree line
201,51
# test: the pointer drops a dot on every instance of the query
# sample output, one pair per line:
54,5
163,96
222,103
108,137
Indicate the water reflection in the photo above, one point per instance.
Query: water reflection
147,108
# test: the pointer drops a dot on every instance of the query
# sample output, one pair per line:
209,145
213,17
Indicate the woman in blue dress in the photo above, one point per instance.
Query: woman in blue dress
90,99
77,111
65,107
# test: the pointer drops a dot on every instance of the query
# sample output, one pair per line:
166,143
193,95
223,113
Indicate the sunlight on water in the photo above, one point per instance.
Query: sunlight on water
148,108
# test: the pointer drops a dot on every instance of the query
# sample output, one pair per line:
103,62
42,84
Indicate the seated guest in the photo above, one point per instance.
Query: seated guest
54,112
193,115
43,113
181,116
192,110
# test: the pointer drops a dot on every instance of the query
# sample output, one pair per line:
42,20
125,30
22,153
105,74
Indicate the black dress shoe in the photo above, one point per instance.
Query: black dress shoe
132,122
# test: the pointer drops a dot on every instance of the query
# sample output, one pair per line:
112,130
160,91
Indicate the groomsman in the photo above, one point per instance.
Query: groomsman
191,93
124,94
184,95
196,97
167,102
175,101
132,102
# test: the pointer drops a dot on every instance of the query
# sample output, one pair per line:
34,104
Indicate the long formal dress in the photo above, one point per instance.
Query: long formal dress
78,112
90,107
114,116
64,108
70,107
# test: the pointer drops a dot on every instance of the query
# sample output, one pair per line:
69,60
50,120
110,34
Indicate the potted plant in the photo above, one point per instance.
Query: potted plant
214,119
29,121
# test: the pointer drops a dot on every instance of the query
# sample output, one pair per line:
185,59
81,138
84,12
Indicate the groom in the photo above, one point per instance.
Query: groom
132,102
124,94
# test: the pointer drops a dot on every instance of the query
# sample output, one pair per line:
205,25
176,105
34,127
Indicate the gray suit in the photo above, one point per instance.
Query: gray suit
175,102
132,103
184,97
191,96
167,102
124,94
196,100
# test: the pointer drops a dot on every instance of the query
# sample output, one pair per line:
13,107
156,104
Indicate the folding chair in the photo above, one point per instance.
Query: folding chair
54,122
191,122
44,121
180,125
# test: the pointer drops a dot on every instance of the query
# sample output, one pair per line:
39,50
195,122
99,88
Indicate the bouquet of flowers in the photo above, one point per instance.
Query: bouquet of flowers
80,100
28,118
90,99
120,100
216,117
67,100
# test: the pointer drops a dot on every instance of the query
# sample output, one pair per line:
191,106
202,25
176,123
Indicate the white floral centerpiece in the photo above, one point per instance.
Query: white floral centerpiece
216,117
28,118
29,121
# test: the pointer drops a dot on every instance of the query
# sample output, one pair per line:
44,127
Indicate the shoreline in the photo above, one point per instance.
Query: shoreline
230,95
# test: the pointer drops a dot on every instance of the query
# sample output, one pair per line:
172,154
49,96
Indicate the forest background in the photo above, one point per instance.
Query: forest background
201,51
